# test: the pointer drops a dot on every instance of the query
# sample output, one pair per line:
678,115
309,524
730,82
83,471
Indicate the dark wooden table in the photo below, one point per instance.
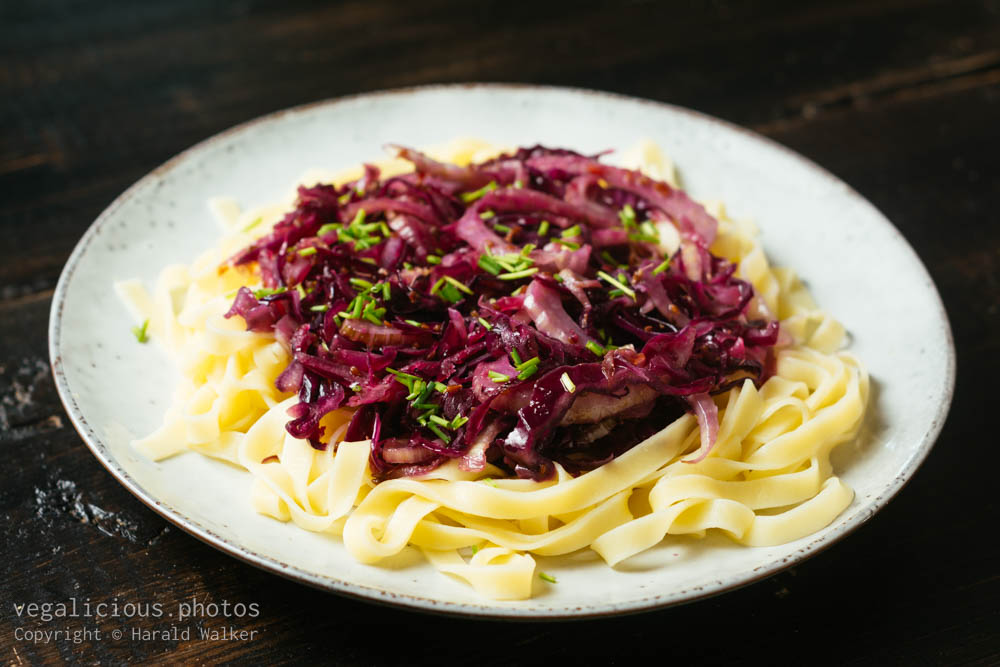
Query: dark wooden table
900,98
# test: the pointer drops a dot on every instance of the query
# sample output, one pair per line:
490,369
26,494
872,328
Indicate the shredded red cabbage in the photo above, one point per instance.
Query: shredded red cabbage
515,312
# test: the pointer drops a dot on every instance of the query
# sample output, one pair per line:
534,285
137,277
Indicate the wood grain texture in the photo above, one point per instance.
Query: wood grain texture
899,98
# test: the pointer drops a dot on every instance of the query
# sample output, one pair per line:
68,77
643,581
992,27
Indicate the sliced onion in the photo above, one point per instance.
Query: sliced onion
708,424
376,335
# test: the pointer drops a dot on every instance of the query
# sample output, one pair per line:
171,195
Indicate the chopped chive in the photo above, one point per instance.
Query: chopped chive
301,290
627,215
416,388
486,215
571,232
426,389
322,308
440,420
499,377
547,577
439,433
511,261
502,229
469,197
615,293
517,275
327,228
662,267
344,198
437,286
399,374
386,292
595,347
519,183
140,331
306,252
486,325
475,549
458,285
527,372
433,260
488,264
358,306
450,294
567,383
572,245
263,292
458,422
543,228
359,218
412,323
490,481
534,361
441,387
253,224
603,275
515,356
519,291
368,260
361,283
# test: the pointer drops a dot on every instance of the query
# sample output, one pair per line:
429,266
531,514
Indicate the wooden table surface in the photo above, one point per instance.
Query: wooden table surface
900,98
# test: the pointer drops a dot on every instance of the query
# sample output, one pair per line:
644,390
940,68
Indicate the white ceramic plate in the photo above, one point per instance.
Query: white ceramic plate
858,265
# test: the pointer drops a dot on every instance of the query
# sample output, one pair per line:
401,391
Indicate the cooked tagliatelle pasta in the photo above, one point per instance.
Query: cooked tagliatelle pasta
749,457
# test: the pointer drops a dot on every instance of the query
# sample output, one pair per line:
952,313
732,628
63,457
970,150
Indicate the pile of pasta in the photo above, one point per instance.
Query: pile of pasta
768,481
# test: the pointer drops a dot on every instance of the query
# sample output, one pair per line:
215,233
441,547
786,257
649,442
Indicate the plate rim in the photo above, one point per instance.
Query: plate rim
364,593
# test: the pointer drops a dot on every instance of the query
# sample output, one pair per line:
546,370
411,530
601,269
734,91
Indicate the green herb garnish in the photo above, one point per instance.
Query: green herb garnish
253,224
664,265
264,291
140,331
469,197
603,275
517,275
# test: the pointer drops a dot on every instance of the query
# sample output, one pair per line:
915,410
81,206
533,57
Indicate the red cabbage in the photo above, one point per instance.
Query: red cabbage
514,312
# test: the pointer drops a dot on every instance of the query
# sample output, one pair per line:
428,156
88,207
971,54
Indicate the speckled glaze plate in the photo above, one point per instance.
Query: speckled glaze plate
858,265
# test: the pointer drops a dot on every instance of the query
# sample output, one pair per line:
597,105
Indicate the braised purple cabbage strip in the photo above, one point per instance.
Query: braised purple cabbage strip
516,312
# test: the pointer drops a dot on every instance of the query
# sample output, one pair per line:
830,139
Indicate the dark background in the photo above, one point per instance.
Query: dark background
900,98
